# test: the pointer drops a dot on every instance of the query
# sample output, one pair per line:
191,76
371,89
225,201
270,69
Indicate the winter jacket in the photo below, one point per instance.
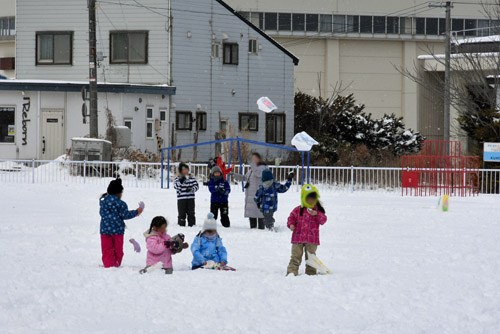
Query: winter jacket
113,212
186,189
306,226
220,190
253,181
204,250
267,198
157,251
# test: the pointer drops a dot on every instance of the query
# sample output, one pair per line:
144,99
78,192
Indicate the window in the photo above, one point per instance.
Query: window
149,129
365,24
405,25
457,26
379,24
298,22
128,123
54,48
215,50
338,23
285,22
483,27
253,46
149,113
249,122
257,19
352,23
7,124
470,27
163,115
420,26
230,54
271,21
275,128
183,120
325,23
7,26
223,125
431,26
201,121
392,25
312,22
129,47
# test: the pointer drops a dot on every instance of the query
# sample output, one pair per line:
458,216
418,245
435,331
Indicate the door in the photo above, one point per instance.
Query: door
52,141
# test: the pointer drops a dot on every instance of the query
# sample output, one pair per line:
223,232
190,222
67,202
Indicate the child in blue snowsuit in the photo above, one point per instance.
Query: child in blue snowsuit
220,190
208,246
266,196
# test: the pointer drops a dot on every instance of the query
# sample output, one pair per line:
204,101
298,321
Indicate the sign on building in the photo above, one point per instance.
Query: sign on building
491,152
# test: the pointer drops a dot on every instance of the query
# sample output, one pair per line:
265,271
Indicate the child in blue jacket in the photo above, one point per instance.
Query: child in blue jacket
208,246
220,190
266,196
113,212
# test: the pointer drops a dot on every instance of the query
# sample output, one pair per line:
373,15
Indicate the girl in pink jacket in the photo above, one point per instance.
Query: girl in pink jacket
304,221
161,246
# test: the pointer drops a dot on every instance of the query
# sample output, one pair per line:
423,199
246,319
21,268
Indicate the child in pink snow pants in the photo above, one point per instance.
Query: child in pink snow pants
113,212
304,221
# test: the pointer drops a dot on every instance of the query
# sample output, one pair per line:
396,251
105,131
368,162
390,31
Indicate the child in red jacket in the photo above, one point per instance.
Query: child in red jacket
304,221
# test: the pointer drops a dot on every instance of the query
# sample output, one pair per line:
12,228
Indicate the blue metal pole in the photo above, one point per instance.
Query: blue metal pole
241,166
161,169
303,168
168,171
308,163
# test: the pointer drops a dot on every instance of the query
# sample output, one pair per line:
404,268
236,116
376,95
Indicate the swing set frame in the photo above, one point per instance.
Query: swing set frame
238,142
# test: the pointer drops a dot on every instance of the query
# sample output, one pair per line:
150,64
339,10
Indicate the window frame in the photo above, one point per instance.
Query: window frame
177,114
128,61
152,129
163,112
203,126
231,61
130,120
13,142
253,43
216,46
148,108
268,117
54,33
248,114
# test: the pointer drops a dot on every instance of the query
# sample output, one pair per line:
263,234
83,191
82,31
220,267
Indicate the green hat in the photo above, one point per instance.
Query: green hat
306,190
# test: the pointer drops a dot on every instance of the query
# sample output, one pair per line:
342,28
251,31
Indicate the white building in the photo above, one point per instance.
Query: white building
218,64
362,43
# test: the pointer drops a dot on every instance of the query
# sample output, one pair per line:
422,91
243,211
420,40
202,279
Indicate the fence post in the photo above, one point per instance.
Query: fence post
137,174
84,171
352,178
33,171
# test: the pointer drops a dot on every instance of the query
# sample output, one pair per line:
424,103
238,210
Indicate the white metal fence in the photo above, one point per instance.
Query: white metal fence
148,175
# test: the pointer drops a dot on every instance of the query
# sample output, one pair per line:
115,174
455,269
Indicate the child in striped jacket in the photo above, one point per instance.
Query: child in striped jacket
186,186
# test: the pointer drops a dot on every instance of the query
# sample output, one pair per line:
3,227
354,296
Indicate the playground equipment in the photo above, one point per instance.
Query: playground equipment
439,170
238,142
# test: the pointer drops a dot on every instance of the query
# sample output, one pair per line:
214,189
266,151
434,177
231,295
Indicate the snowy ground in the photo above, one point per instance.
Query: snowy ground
400,266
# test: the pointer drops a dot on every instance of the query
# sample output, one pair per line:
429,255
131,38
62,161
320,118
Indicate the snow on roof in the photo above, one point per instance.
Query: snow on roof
474,40
457,55
90,139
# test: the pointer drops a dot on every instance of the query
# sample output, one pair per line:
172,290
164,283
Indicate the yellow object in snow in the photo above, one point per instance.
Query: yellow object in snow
443,203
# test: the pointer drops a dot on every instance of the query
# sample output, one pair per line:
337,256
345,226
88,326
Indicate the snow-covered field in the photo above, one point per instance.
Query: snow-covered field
399,266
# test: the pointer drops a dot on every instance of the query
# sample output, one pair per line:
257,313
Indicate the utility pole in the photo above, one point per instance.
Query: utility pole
94,133
447,67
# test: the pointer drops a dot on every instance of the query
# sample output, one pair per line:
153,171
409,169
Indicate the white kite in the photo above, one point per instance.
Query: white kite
303,142
266,105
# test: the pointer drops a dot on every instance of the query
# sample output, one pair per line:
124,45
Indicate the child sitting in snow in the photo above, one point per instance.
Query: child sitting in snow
161,246
220,190
207,245
266,196
113,212
304,221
